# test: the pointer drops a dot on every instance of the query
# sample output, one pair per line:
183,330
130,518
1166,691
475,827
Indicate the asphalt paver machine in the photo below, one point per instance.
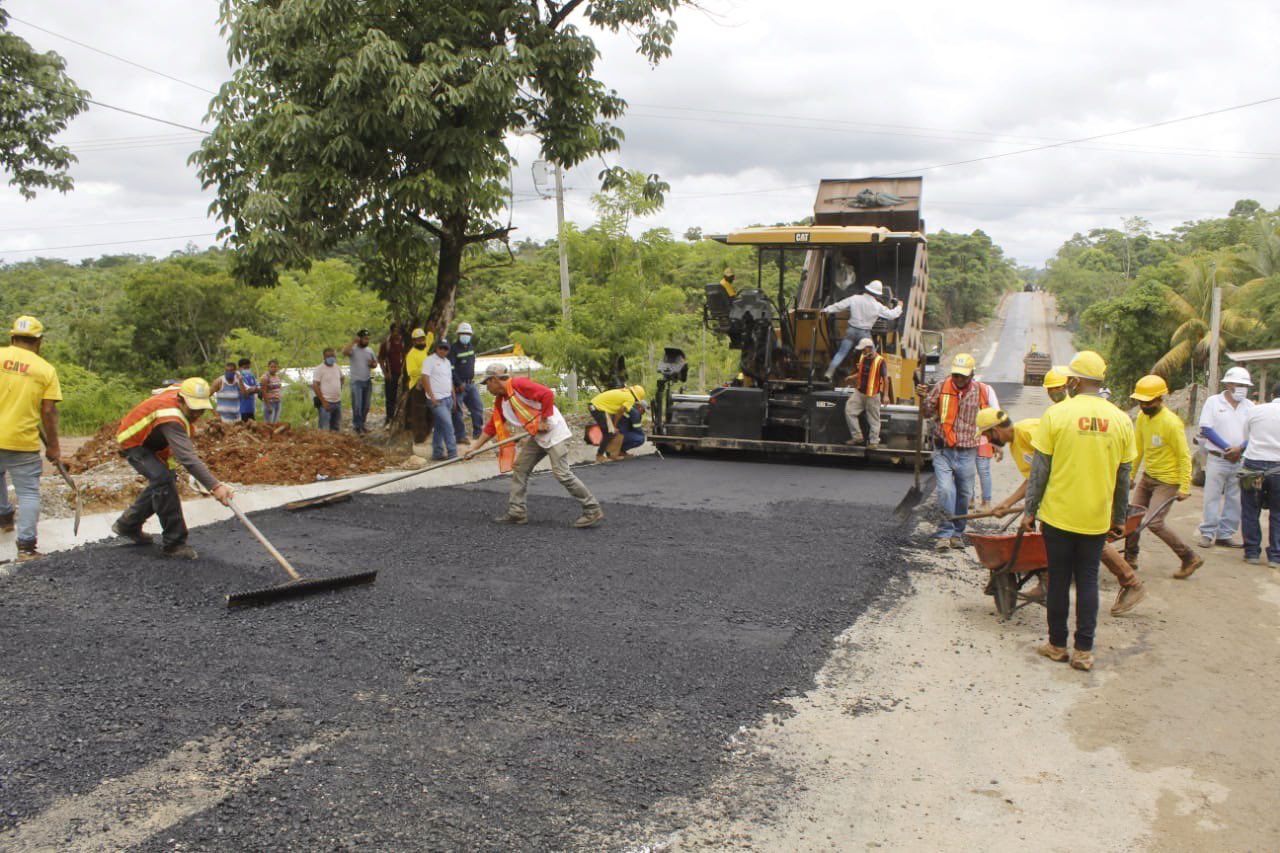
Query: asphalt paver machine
781,400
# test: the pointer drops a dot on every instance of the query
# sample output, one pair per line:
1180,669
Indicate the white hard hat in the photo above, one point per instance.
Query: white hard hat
1237,376
864,343
464,329
875,287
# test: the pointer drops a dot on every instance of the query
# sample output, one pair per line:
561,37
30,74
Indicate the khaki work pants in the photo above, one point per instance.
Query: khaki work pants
1151,493
530,455
856,405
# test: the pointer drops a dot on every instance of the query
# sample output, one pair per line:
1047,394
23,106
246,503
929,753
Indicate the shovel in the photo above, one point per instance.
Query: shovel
71,484
340,497
917,493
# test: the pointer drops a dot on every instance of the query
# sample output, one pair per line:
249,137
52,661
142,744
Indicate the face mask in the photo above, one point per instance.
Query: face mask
330,360
1240,394
465,339
230,375
1150,410
419,346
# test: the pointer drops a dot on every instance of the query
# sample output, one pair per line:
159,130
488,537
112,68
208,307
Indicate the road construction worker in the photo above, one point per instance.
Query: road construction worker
417,412
462,355
870,383
1078,491
29,396
1166,460
955,402
1055,383
864,309
1002,432
1262,488
1222,436
523,406
610,409
153,432
726,281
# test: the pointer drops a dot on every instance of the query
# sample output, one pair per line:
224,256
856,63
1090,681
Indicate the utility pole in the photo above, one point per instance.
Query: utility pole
572,378
1215,328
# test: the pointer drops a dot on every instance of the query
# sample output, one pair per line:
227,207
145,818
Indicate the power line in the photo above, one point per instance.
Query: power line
65,93
66,226
96,245
112,55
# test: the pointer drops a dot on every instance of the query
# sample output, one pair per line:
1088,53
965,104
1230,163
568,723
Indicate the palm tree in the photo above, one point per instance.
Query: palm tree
1193,307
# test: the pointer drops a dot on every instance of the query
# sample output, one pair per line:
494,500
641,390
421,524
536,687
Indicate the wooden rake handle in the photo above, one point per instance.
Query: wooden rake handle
271,549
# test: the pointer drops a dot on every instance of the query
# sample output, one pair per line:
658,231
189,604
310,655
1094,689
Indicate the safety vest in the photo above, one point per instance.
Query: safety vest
870,383
526,411
949,407
136,427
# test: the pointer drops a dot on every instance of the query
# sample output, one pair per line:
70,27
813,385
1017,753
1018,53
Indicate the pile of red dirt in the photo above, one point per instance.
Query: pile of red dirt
253,453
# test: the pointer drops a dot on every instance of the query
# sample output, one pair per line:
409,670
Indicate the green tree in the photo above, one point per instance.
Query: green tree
1130,331
37,101
1191,306
967,276
390,118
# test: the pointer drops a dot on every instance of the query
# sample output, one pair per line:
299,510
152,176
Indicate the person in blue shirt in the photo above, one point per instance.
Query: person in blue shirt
629,426
249,391
465,393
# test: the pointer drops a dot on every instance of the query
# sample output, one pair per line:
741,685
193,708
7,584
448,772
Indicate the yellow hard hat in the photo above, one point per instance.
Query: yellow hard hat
989,417
1087,365
963,364
418,333
1056,377
728,272
27,327
195,393
638,390
1148,388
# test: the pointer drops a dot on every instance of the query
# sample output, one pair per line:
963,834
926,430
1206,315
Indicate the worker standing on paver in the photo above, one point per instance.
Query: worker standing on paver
152,431
1078,491
609,409
523,406
29,396
1162,446
1018,437
955,402
1261,486
726,281
864,309
1222,436
870,383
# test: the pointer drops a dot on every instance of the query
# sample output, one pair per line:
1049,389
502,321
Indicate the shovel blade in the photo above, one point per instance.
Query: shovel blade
915,496
322,500
297,589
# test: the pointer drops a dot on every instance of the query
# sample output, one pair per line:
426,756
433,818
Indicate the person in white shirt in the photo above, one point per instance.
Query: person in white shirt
1262,458
1222,436
437,384
864,310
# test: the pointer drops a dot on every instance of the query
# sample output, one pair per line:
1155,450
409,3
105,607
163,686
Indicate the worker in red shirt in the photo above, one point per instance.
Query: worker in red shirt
521,406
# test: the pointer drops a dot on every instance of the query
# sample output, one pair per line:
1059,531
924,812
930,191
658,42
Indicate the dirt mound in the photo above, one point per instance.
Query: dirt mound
256,453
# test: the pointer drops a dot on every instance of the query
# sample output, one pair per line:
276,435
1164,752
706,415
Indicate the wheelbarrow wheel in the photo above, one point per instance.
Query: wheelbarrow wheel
1004,589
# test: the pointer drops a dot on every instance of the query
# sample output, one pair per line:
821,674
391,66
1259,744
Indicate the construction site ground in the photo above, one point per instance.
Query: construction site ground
745,655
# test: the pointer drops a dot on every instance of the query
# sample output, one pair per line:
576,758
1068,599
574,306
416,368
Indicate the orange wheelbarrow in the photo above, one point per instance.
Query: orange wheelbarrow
1015,558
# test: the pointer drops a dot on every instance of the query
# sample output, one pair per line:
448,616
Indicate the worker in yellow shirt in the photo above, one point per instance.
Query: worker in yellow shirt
1166,460
612,411
1001,432
726,281
417,412
29,395
1078,492
1055,383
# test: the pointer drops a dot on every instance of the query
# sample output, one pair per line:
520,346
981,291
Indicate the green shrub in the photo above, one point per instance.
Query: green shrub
90,400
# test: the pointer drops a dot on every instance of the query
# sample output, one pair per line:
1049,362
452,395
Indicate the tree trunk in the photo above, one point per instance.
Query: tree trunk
453,240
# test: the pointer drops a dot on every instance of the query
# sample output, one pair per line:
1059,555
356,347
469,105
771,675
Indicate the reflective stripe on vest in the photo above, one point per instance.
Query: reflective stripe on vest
523,408
135,427
870,385
949,407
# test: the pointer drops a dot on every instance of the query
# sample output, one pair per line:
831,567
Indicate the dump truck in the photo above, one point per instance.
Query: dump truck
1035,364
782,402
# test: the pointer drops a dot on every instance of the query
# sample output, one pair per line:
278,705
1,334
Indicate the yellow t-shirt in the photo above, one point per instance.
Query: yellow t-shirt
413,358
26,380
729,287
1088,439
1020,448
615,402
1162,443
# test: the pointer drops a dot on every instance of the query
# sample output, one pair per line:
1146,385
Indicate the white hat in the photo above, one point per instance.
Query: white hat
875,287
464,329
1237,376
864,343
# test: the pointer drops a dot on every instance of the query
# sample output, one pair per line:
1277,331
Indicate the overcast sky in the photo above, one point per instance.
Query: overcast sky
758,102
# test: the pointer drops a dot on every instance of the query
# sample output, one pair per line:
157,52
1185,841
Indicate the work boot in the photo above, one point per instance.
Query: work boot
613,446
1253,561
589,518
27,552
6,523
1128,598
942,544
875,442
133,534
829,374
1053,653
1082,660
957,542
1036,593
853,442
1205,542
1228,543
1189,568
508,518
181,551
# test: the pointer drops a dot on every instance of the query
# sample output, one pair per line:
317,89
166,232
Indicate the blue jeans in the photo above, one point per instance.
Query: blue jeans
984,477
632,437
361,397
271,411
24,467
330,418
1251,513
443,443
469,398
954,469
851,337
1221,518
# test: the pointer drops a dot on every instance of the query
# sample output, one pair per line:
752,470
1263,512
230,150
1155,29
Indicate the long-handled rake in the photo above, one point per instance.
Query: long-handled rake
298,585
